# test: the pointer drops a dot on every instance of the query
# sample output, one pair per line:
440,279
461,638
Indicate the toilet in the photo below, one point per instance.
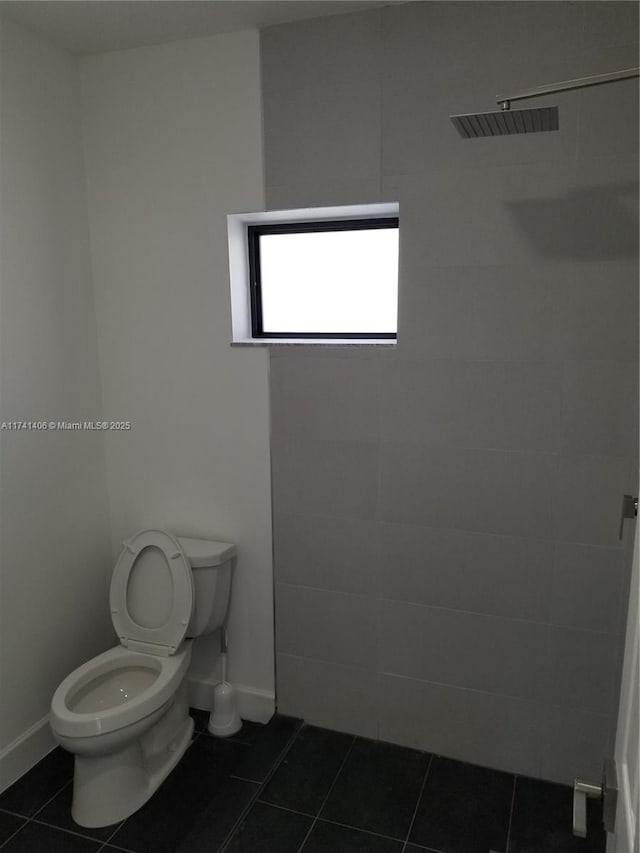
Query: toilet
125,713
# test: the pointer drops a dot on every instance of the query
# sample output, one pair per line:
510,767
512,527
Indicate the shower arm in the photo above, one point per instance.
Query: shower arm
567,85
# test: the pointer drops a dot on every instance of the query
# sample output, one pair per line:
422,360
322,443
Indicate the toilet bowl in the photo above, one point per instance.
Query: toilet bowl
125,713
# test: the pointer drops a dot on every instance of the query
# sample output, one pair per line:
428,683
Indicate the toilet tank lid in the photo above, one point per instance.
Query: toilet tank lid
202,553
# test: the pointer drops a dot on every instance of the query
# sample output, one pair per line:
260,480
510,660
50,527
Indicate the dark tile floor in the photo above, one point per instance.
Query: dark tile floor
290,788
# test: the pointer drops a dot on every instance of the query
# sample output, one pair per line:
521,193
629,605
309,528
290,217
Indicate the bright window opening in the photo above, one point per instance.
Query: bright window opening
324,279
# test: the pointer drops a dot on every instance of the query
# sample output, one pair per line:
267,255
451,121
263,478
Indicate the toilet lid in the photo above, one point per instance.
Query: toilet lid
151,594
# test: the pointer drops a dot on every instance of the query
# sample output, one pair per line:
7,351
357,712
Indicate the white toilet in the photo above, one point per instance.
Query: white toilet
125,713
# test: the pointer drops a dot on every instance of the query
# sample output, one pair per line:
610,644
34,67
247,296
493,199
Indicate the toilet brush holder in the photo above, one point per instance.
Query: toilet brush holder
224,720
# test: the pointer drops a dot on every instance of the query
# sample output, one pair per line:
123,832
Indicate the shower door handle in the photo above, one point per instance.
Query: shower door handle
629,510
582,790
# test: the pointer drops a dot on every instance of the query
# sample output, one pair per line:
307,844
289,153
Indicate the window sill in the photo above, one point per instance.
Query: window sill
322,342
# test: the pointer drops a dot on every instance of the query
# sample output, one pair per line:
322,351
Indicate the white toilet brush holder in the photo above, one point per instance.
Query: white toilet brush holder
224,720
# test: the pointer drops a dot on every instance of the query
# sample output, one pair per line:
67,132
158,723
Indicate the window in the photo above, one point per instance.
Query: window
324,279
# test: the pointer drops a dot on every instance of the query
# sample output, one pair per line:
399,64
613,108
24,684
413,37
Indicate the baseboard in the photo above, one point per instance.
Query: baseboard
256,705
253,704
25,751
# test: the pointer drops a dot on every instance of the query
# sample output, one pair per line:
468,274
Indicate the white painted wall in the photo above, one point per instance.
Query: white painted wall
55,550
173,143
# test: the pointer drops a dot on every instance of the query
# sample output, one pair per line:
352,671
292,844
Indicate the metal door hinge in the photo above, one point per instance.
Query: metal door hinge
607,792
629,510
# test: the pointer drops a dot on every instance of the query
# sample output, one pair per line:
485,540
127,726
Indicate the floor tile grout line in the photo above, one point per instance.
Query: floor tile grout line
103,844
68,831
333,822
15,814
21,827
45,804
261,786
335,779
359,829
118,827
283,808
115,847
324,802
244,779
194,737
513,800
29,819
34,819
429,849
415,811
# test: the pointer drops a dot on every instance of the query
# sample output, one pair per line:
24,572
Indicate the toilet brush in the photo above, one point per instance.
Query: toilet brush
224,720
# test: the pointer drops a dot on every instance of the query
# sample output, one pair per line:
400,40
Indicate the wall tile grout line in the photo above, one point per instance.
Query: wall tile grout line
415,811
470,530
543,623
452,686
278,761
324,802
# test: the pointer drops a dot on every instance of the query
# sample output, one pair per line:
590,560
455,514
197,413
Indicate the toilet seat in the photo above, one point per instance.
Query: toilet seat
69,722
151,596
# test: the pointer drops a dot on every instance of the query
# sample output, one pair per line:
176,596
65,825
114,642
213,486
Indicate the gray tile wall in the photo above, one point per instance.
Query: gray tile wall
448,569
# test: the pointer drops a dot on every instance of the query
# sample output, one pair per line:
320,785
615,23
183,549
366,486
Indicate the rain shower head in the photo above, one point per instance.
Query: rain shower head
506,122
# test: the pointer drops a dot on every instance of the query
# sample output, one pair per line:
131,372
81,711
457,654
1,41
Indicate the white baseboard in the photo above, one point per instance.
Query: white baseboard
256,705
253,704
25,751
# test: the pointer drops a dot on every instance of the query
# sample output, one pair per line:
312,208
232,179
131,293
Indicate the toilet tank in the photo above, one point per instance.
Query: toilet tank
211,565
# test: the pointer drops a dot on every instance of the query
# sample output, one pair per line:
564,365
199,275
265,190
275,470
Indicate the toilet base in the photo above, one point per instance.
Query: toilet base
109,788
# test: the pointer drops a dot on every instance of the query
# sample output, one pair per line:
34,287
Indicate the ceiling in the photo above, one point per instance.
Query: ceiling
93,26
